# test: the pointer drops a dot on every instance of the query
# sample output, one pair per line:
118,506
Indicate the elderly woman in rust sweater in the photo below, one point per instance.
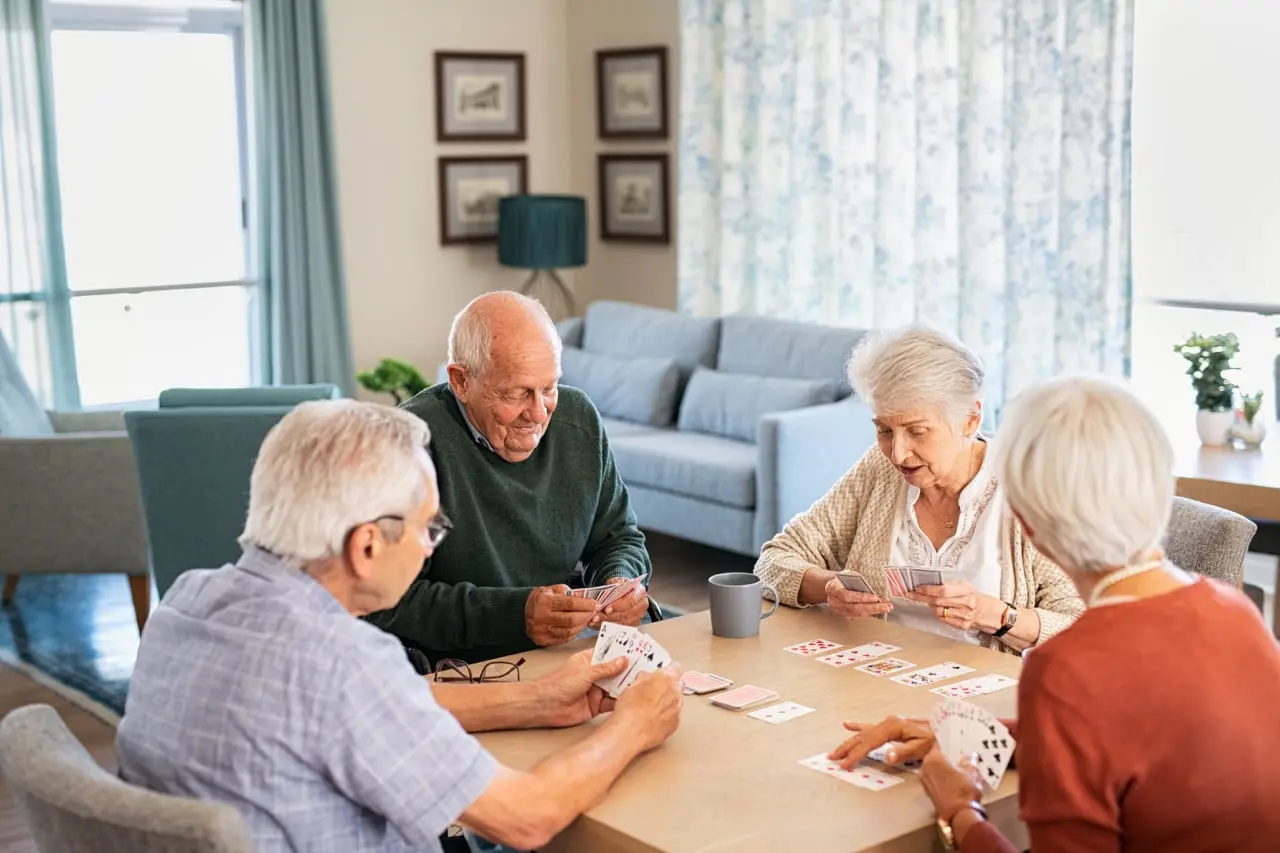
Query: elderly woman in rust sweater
1138,726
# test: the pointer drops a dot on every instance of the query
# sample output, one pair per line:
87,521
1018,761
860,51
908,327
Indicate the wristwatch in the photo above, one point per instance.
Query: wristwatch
944,827
1008,620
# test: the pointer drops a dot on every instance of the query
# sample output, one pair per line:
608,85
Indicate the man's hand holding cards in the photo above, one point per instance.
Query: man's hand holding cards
623,600
642,652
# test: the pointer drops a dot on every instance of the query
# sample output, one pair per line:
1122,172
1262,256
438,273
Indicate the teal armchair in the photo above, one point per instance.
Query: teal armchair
194,456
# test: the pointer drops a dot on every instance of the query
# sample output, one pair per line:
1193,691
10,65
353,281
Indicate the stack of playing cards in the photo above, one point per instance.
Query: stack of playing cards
643,654
607,594
967,731
904,579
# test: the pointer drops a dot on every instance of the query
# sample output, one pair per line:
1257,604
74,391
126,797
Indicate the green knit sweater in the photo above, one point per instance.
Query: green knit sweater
516,526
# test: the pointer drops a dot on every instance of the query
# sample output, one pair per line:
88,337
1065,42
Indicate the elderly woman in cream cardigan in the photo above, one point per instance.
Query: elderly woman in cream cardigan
924,497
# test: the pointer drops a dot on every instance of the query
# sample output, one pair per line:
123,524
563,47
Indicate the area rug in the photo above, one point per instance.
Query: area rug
76,635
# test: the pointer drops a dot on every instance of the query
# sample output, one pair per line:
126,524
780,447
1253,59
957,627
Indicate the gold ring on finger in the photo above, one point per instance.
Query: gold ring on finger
946,611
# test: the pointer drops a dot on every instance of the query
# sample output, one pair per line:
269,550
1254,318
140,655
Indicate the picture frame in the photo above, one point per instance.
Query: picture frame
480,97
469,191
631,93
635,198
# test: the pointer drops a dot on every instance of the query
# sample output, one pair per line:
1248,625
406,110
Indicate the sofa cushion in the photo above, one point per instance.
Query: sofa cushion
266,395
641,390
622,329
570,330
730,404
706,467
784,348
615,429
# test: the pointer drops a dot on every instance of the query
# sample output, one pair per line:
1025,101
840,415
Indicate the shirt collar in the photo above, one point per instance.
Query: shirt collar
275,570
476,435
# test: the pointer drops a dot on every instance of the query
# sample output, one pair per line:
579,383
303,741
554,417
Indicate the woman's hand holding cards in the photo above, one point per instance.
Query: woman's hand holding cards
960,605
852,604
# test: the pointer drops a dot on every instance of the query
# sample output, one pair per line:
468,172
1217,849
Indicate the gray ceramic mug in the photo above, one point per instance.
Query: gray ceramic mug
735,604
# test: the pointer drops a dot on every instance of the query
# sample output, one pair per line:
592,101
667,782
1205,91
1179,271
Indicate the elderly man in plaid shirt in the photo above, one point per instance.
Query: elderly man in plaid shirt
256,684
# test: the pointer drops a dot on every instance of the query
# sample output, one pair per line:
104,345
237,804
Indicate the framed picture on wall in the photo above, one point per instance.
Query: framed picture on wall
479,97
631,93
469,191
634,200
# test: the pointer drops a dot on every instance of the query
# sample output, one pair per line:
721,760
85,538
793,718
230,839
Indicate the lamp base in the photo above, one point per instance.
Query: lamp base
557,286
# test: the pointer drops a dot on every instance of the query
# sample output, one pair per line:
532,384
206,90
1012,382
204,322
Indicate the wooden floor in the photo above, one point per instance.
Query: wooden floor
680,573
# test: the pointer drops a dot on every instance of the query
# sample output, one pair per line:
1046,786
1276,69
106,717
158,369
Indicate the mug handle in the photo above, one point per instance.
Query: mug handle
774,609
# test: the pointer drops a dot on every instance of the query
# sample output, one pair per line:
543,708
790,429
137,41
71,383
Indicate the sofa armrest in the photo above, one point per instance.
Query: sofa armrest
803,453
70,422
72,504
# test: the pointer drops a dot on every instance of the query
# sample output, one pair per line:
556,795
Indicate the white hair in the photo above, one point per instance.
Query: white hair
327,467
896,370
471,335
1089,469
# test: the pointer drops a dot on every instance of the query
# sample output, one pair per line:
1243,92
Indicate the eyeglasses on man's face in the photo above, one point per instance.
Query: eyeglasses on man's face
452,670
431,534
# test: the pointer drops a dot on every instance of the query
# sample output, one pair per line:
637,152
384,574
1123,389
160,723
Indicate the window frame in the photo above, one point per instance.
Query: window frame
215,17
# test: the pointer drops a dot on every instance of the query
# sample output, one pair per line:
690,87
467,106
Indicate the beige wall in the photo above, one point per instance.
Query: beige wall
634,272
403,286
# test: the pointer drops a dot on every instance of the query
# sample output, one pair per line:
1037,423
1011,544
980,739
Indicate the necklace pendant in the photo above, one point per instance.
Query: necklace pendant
948,524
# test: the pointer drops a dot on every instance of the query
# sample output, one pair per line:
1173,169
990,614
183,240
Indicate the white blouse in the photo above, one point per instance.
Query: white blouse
972,554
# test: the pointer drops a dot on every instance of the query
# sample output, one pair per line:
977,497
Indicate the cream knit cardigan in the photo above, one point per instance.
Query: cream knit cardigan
851,528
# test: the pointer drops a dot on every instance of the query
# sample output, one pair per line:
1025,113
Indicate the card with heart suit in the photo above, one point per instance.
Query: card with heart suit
703,682
781,713
975,686
885,666
863,775
642,652
812,647
964,731
933,674
879,754
743,697
858,654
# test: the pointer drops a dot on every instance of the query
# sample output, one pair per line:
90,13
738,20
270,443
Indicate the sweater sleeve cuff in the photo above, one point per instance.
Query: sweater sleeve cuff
985,838
785,577
1052,622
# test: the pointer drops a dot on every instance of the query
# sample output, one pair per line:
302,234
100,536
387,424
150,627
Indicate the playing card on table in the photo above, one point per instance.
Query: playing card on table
781,713
932,674
885,666
855,582
975,686
703,682
743,697
812,647
864,776
879,754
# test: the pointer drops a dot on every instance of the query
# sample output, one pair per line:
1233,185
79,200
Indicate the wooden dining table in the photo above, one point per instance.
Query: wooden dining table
1243,480
725,782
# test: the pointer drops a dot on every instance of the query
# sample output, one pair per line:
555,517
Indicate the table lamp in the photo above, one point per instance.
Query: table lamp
543,233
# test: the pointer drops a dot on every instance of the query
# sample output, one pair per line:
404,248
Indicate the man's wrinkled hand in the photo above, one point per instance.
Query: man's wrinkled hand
552,616
628,610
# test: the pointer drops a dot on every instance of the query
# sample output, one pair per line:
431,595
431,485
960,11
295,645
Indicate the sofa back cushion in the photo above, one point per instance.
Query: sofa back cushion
731,404
786,349
641,390
622,329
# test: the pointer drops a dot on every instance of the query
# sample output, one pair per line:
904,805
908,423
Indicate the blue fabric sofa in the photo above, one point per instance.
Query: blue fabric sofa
722,428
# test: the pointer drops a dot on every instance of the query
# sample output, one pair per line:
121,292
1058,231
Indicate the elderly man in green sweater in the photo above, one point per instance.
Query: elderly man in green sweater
526,473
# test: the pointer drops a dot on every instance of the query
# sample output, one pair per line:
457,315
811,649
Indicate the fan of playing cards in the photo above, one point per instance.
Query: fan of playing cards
642,652
965,730
607,594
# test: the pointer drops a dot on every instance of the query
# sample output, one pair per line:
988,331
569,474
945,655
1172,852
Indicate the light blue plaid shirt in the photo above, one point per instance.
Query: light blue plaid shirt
255,687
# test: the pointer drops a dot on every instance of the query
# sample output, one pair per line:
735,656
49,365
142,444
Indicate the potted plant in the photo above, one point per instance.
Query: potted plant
1250,428
1209,359
395,377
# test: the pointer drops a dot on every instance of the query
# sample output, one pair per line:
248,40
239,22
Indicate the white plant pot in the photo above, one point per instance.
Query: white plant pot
1214,428
1251,434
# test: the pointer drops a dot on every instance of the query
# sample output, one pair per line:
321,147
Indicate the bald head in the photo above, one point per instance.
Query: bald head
504,367
494,327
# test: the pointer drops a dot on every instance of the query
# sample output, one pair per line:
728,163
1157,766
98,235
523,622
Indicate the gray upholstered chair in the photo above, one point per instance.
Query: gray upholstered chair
1208,540
72,502
74,806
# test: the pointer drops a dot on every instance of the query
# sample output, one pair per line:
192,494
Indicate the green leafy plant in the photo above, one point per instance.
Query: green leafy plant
1209,359
1252,404
395,377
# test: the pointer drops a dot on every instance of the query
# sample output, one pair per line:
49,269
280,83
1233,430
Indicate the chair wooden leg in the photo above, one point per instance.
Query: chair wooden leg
140,588
10,587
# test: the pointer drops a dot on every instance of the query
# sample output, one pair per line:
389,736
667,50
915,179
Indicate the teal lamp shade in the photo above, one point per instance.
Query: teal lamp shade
542,232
